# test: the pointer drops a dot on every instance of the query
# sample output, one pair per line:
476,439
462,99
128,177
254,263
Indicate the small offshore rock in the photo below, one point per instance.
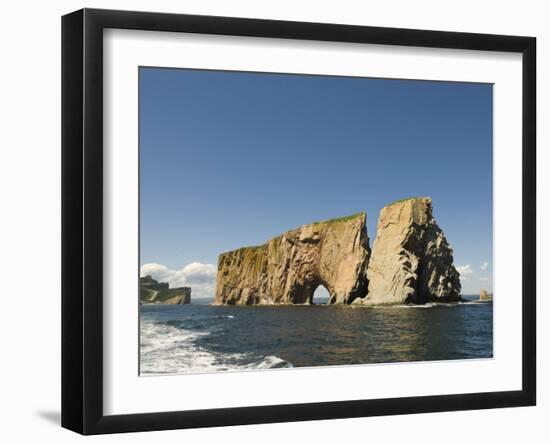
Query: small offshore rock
484,295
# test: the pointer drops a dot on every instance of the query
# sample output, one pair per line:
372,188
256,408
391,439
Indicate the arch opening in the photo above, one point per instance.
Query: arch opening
320,295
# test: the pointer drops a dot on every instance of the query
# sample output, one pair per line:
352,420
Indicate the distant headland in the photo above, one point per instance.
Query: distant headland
153,292
411,262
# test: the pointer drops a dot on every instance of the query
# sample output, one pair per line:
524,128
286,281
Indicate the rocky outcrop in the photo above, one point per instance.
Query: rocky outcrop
153,292
411,260
485,296
287,269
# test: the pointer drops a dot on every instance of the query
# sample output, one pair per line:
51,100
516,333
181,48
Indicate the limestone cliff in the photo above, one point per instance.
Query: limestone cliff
287,269
411,261
151,291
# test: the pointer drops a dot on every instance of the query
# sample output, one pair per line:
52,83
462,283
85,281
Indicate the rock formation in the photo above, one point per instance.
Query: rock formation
153,292
411,261
485,296
287,269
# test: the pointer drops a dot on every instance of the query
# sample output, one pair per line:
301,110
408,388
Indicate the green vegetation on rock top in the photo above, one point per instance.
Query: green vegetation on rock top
252,247
245,249
340,219
406,199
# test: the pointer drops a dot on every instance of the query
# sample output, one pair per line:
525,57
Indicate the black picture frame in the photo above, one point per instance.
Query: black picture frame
82,218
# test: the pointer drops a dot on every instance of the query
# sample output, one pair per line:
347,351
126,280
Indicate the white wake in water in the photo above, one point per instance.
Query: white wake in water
166,349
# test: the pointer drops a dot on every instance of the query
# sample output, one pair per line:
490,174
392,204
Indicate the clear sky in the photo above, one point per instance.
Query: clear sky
230,159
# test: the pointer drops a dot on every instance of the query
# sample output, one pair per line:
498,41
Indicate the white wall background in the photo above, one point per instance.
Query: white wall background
30,218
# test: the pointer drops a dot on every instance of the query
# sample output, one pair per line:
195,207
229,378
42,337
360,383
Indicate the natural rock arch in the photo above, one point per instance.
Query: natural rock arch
304,294
288,269
411,262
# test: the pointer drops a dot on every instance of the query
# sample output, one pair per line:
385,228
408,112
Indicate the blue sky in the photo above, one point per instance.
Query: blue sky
229,159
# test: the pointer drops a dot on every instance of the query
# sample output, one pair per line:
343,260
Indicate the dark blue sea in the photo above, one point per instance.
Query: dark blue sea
202,338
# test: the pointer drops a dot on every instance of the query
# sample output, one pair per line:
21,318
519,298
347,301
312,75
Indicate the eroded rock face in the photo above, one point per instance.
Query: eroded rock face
288,268
411,261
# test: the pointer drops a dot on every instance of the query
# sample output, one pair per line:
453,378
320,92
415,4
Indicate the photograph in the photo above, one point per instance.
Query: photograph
272,222
290,220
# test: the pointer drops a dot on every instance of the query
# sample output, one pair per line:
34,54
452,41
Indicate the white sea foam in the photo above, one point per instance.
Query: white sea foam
426,305
269,362
166,349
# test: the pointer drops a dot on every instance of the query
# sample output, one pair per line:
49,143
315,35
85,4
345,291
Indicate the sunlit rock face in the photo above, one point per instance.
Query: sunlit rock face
484,295
288,268
411,260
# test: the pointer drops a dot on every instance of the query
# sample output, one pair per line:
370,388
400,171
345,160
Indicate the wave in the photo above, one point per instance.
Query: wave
270,362
428,305
424,306
167,349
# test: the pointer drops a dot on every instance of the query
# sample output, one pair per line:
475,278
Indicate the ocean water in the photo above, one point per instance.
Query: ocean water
201,338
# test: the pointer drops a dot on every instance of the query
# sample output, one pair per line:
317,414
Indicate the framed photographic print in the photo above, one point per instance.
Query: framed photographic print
269,221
